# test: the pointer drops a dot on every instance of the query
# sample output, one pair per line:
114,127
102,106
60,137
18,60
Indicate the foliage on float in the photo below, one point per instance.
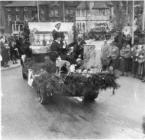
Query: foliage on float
75,84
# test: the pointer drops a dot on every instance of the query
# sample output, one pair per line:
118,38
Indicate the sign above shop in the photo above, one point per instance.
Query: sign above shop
102,27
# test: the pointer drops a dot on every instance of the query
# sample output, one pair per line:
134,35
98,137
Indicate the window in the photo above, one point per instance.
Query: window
103,11
97,12
17,17
51,13
42,12
21,27
17,27
69,12
54,13
83,13
78,13
17,9
84,27
26,17
80,27
25,9
9,9
9,18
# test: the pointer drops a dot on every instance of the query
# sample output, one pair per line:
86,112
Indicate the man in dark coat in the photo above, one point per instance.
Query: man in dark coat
78,47
19,46
55,48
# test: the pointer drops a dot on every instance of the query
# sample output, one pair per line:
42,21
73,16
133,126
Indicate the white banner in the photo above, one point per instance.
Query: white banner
92,54
41,32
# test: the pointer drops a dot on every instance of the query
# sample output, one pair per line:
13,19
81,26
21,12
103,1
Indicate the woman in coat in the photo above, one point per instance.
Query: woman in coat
114,54
105,56
125,54
134,53
141,59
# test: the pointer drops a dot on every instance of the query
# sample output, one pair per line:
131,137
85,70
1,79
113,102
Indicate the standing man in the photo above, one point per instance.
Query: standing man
56,32
105,56
55,47
114,54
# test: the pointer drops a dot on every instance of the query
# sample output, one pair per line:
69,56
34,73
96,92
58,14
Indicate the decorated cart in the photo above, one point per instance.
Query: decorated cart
42,74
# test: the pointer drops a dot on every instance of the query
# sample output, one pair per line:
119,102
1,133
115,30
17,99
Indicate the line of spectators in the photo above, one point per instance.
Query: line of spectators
10,49
128,60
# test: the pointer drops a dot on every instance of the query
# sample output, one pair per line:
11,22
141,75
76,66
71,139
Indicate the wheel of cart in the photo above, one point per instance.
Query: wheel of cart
42,92
90,95
42,95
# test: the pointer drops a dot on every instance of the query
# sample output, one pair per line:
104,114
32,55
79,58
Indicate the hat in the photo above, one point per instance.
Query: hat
57,24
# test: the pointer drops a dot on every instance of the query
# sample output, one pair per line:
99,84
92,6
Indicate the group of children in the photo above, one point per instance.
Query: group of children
138,61
132,60
128,60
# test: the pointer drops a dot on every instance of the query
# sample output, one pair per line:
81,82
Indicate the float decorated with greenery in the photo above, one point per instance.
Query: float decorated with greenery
44,76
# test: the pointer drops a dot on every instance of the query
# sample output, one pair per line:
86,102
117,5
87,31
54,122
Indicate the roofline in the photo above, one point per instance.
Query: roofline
20,6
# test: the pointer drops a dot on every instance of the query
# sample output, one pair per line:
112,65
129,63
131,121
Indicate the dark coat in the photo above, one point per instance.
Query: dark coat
78,48
19,46
55,49
55,34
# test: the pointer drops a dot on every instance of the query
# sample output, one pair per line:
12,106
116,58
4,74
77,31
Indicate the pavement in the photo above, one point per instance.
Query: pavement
11,66
110,116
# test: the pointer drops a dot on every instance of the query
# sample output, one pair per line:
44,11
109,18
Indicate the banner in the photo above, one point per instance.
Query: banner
41,32
92,55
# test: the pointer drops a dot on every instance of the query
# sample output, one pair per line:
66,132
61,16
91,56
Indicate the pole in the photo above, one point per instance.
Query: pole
143,21
132,22
15,25
63,10
127,8
38,11
86,17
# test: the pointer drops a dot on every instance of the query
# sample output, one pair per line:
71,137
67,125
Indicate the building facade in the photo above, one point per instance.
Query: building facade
2,17
17,12
95,15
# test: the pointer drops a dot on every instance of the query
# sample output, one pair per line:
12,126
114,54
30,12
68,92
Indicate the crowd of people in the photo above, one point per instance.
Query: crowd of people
11,49
130,60
125,57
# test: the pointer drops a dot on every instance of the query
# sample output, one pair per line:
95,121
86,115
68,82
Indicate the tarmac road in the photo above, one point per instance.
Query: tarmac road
110,116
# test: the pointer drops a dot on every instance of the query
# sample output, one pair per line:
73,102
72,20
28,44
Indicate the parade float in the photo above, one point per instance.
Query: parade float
42,73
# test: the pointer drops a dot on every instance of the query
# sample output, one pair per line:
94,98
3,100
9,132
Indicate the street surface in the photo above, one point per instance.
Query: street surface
110,116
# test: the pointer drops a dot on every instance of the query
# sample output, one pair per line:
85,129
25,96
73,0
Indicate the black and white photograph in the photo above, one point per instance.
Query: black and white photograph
72,69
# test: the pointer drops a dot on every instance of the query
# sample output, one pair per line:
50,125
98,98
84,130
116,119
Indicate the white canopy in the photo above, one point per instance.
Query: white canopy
49,26
41,29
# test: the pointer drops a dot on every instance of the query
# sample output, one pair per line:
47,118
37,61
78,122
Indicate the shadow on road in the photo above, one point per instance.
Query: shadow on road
72,116
64,104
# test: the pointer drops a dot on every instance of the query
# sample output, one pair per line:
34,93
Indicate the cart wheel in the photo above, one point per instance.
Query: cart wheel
42,96
90,97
